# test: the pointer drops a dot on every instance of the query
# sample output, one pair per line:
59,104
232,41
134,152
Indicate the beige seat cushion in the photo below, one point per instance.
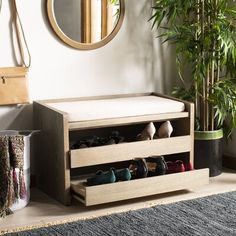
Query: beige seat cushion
117,107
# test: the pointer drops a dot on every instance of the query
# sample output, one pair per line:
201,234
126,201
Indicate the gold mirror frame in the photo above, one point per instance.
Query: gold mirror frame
78,45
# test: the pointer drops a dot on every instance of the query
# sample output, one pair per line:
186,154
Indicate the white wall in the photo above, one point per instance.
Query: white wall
132,62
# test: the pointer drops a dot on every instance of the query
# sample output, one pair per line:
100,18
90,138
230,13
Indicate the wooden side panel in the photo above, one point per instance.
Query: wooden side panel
128,151
190,108
143,187
52,160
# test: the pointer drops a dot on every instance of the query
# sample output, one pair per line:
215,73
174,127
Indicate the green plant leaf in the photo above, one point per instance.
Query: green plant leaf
204,34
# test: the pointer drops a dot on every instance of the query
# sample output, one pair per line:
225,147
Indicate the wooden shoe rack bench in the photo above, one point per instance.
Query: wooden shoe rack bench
61,172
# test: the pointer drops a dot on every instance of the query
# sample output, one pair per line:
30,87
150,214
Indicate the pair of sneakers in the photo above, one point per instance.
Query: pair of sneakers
149,132
111,176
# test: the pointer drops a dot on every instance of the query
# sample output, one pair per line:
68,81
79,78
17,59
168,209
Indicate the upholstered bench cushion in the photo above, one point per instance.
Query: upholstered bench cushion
117,107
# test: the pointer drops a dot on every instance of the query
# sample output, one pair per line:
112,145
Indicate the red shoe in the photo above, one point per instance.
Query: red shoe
175,167
188,166
179,166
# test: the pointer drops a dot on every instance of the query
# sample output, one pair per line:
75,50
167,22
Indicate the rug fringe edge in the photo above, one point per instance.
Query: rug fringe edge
73,219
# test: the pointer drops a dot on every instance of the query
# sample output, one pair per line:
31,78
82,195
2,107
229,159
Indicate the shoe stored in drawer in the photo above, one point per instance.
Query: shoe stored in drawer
127,151
94,195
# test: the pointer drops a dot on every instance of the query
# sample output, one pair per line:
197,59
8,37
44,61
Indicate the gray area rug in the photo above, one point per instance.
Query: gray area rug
212,216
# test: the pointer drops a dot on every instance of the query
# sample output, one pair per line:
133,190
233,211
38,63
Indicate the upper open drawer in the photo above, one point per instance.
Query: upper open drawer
127,151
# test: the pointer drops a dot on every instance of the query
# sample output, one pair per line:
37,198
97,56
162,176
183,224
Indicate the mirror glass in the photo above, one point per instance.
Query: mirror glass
84,21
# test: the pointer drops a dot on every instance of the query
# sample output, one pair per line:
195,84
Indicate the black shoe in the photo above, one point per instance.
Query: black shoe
86,142
138,168
115,135
157,165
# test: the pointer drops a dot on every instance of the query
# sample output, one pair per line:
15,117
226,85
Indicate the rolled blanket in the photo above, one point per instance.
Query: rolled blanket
16,148
11,157
5,176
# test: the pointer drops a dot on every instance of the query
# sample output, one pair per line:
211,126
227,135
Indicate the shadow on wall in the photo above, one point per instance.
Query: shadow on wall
138,40
230,147
16,117
158,58
164,68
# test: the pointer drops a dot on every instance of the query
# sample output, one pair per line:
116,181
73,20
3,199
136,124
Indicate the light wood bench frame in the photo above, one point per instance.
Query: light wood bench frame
54,159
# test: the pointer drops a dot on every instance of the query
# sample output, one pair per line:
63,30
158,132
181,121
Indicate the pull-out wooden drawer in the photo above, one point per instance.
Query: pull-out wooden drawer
126,151
93,195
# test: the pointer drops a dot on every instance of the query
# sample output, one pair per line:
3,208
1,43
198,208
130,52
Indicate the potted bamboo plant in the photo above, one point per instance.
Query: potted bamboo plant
204,35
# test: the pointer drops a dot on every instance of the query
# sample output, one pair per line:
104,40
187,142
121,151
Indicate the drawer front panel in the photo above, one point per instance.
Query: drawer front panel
128,151
141,187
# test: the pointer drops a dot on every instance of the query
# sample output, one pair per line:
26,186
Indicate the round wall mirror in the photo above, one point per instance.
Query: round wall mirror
86,24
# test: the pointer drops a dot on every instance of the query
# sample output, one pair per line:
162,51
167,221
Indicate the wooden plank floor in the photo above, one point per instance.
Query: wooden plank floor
44,210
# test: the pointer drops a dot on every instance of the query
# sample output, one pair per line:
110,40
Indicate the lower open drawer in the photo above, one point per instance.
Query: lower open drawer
93,195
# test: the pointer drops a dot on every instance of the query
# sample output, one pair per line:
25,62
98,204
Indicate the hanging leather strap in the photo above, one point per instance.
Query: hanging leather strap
20,34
